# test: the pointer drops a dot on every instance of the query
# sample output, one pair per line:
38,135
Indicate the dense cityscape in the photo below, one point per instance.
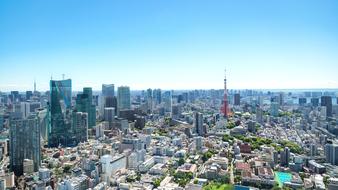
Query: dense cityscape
168,95
167,139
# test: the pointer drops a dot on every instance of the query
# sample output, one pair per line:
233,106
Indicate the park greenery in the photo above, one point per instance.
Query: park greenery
207,155
182,178
218,186
257,142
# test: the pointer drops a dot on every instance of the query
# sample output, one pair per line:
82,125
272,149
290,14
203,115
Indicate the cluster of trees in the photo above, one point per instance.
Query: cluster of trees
207,155
157,182
182,178
256,142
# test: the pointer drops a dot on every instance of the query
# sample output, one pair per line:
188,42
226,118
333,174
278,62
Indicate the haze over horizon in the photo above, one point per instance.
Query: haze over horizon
169,45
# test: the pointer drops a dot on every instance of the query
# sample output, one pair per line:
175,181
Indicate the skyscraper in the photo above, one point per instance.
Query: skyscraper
167,99
198,123
327,102
237,99
274,109
108,90
123,98
285,157
80,127
24,143
60,105
149,100
84,103
157,95
225,104
331,153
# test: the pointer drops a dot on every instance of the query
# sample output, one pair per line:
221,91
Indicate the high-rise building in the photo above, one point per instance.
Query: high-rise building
84,103
29,94
24,143
60,106
237,99
198,123
281,98
285,157
168,101
109,114
315,102
327,102
108,90
157,95
302,101
331,153
225,104
313,150
123,98
274,107
80,127
149,100
259,115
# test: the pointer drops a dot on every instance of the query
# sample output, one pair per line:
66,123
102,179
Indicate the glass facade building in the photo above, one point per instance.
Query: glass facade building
60,112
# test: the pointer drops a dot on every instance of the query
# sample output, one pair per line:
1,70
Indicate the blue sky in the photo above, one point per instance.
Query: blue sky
177,44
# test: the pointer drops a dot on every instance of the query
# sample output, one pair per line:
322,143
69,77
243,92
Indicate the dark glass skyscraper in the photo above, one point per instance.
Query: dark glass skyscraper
327,102
60,112
25,143
84,103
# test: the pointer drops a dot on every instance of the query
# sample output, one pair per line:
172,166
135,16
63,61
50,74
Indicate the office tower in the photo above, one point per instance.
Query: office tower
285,157
157,95
80,127
109,114
315,102
327,102
14,96
259,115
108,90
313,150
237,99
274,107
331,153
149,100
167,99
198,143
302,101
60,105
281,98
24,143
29,94
225,105
123,98
84,103
198,123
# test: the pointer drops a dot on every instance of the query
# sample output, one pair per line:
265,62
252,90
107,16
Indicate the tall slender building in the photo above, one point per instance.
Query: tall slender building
123,98
84,103
25,143
225,104
60,106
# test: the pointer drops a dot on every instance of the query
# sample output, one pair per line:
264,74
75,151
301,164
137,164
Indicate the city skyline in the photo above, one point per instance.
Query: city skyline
263,45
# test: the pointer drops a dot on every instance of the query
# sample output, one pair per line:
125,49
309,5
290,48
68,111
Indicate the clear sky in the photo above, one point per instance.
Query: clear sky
176,44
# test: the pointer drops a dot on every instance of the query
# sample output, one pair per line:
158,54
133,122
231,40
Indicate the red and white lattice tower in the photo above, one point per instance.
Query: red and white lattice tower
225,109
